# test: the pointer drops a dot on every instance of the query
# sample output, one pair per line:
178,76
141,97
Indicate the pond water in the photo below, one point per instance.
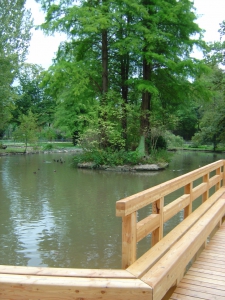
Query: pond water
54,215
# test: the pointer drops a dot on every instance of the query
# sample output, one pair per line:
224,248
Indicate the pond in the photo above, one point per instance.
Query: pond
54,215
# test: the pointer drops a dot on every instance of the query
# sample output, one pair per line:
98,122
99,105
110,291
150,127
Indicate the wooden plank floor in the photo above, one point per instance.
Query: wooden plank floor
206,278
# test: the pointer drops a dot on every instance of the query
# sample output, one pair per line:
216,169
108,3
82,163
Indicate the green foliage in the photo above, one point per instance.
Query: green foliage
188,118
212,123
156,140
123,62
2,146
48,133
173,141
15,25
159,156
27,130
33,96
108,157
47,147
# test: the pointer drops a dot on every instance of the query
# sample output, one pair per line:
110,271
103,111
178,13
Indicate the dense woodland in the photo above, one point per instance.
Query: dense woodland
124,80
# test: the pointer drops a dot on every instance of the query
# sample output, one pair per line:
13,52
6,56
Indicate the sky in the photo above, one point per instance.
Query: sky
42,48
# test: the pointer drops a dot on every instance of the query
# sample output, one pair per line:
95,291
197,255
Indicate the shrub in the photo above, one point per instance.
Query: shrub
47,147
174,141
107,157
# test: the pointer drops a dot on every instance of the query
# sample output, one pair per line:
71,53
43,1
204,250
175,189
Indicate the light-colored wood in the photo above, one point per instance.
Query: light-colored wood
155,196
209,264
147,260
129,239
157,208
176,206
218,172
206,290
23,287
182,297
211,255
203,284
211,273
205,278
209,279
163,274
188,190
197,254
205,195
137,201
199,190
147,225
223,173
66,272
215,180
195,294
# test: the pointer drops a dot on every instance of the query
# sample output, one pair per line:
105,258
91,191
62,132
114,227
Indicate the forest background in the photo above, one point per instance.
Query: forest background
123,85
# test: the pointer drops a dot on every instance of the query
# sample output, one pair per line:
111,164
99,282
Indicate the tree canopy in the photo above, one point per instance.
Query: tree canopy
137,51
15,25
125,74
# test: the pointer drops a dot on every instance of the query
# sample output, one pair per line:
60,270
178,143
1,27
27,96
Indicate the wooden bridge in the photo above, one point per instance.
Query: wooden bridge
168,270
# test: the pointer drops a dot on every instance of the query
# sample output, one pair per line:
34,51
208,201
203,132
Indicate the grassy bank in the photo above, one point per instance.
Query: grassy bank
14,147
209,148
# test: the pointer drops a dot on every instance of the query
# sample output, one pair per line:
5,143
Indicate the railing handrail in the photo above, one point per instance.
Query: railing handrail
139,200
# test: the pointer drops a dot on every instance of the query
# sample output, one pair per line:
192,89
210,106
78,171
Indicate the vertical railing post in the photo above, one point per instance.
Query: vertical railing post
188,190
129,239
157,208
218,172
224,172
205,195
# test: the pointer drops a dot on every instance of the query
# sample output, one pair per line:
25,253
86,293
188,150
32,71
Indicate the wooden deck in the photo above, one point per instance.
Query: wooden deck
206,278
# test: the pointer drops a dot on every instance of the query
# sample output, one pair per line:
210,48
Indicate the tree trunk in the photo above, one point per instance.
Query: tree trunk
104,62
124,92
124,74
103,114
145,106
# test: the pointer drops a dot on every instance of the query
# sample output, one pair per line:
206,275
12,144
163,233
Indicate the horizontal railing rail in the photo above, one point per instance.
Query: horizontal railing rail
195,184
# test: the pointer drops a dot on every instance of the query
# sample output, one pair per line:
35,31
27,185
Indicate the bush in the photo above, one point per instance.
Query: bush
47,147
159,156
108,157
2,146
174,141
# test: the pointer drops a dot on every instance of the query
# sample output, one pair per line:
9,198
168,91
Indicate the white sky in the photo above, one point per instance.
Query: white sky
42,48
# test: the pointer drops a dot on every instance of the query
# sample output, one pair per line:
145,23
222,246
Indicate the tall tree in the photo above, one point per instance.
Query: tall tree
138,49
15,25
166,29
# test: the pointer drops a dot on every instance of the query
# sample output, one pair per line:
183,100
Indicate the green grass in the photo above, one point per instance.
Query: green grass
15,147
62,144
204,148
12,150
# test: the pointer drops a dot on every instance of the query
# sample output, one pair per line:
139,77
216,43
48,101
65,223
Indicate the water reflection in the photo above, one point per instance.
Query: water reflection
54,215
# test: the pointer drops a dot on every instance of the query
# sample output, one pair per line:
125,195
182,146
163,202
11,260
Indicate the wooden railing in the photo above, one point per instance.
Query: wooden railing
195,184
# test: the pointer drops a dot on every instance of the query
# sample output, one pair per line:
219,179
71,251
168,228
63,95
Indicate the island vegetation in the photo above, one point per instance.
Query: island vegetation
124,86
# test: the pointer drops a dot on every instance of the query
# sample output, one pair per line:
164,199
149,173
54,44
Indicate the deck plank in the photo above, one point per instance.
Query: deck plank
206,278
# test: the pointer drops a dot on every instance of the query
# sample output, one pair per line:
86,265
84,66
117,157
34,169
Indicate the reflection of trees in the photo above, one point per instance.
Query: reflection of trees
91,235
11,248
25,207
